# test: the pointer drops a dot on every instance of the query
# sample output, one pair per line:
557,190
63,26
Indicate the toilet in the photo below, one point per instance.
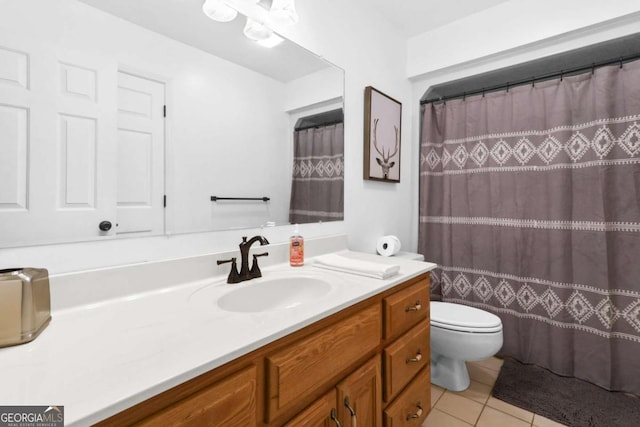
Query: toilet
460,333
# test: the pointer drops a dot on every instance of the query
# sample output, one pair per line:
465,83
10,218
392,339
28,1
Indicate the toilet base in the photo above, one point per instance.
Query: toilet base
449,373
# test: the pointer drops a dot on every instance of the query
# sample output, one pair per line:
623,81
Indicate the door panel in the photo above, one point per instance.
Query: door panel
140,155
57,137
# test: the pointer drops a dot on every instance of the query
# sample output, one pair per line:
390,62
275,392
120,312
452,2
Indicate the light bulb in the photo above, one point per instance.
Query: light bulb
283,12
219,11
271,41
255,30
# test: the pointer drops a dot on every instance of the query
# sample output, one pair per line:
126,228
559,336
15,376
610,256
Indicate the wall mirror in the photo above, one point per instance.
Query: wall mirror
123,118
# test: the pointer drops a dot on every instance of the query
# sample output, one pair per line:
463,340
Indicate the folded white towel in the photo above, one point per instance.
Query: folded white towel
355,266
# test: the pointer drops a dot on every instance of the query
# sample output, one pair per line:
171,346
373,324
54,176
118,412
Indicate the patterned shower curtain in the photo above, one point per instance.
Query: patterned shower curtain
317,190
530,205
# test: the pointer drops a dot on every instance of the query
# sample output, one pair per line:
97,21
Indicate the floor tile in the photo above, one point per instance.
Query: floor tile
477,392
436,392
540,421
493,363
481,374
440,419
493,418
510,409
460,407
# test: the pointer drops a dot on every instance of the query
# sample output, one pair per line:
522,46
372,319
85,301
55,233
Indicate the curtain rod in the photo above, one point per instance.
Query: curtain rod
319,125
534,79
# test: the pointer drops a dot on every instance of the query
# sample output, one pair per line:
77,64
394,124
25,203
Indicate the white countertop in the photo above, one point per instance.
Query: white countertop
99,359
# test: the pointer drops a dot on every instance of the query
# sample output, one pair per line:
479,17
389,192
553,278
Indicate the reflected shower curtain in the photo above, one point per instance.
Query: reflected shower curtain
530,206
317,190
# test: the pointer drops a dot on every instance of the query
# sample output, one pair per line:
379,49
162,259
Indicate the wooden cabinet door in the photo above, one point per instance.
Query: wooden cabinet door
296,371
228,403
318,414
360,396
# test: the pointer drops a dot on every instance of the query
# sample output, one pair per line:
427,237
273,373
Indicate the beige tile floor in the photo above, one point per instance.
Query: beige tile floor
476,407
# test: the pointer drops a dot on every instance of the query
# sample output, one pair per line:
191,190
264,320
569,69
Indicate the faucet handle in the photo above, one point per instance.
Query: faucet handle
234,276
220,261
255,270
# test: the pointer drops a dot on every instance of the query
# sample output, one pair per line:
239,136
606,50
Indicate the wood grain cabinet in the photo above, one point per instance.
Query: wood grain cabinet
355,401
229,402
406,359
365,366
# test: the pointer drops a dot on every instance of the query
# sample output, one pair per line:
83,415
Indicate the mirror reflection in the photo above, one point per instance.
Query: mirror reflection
122,118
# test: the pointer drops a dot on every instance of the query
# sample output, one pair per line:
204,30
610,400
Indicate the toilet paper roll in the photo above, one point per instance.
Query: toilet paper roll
388,245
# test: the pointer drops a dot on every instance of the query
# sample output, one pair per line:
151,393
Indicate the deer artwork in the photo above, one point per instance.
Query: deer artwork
384,162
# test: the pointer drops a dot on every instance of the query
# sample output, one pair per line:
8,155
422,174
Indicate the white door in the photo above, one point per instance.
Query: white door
141,127
57,144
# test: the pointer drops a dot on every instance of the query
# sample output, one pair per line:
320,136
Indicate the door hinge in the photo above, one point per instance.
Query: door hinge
164,111
164,202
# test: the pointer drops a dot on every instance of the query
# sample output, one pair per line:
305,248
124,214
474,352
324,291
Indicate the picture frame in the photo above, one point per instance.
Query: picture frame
382,135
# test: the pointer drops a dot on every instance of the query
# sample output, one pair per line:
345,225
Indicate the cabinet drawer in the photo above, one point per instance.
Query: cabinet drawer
306,365
412,406
405,358
406,308
229,403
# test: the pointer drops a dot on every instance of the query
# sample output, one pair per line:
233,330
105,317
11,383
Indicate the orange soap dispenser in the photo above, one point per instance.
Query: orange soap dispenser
296,248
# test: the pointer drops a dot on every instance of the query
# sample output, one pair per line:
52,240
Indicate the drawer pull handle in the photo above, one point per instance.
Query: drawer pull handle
351,410
415,359
334,418
416,307
418,413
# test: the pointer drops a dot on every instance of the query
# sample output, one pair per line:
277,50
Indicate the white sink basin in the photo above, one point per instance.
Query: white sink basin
278,293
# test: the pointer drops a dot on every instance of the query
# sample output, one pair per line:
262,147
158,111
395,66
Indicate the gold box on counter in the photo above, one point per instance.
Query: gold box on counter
25,304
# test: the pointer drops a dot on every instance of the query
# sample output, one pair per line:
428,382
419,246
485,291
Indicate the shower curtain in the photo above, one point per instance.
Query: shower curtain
317,190
530,206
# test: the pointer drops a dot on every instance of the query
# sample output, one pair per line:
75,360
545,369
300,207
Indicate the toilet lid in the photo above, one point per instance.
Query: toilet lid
463,318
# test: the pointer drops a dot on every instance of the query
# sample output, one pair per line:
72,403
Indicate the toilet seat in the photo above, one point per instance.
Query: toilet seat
463,318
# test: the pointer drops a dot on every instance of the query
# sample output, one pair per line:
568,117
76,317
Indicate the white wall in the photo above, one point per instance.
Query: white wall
506,26
316,88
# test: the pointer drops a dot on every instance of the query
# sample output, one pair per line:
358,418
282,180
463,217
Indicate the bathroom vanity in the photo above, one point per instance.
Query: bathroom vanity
369,362
359,352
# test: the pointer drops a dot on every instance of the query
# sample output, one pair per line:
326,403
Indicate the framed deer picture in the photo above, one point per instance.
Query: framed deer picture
382,119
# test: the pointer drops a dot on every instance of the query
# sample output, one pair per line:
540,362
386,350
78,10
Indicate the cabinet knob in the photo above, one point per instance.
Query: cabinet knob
416,307
416,414
105,226
415,359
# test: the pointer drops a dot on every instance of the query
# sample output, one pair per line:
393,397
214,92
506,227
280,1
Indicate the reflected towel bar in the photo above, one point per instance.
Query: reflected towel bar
216,198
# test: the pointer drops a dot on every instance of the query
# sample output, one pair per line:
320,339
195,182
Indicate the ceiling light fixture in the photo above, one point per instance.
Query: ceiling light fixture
284,12
255,30
219,11
281,13
272,41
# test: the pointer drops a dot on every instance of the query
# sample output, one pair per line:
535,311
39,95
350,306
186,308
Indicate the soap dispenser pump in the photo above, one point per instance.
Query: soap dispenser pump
296,248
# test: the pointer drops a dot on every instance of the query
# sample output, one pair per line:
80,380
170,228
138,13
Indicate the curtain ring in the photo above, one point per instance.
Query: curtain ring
507,87
561,74
464,96
483,92
621,62
533,82
593,69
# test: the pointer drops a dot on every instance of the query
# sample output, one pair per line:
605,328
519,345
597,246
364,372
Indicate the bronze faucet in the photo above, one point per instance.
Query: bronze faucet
245,273
245,245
